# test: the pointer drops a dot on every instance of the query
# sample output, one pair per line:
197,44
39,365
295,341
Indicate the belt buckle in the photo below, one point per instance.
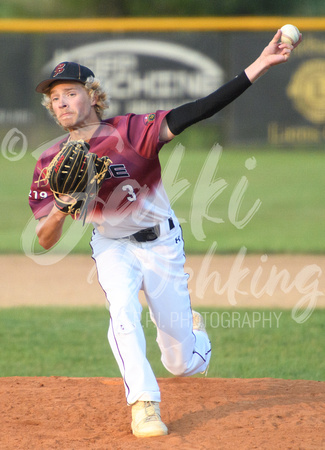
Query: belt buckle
147,235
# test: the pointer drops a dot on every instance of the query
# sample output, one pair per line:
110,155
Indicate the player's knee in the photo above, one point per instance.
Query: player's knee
178,369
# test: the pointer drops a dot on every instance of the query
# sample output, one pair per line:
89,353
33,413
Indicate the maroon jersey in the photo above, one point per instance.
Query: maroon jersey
132,196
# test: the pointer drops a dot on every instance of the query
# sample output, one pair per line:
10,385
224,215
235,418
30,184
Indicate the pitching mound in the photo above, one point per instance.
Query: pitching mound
201,413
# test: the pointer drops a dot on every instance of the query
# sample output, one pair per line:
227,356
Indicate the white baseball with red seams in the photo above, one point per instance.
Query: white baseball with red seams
290,34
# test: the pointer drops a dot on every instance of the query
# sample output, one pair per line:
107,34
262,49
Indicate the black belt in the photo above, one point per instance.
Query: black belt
152,233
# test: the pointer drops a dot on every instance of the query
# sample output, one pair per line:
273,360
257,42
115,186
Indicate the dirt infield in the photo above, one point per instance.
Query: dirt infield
201,413
71,413
258,281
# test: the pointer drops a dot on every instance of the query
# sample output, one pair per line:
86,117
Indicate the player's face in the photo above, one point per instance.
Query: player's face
72,105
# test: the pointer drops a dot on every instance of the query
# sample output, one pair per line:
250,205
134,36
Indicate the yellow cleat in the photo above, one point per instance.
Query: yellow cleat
146,420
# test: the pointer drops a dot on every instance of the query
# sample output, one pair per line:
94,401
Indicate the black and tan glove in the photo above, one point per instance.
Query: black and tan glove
75,176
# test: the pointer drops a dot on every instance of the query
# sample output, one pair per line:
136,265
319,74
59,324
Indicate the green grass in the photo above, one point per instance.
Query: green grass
245,343
288,183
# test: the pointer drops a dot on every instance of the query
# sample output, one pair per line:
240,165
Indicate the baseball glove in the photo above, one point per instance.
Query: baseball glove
75,176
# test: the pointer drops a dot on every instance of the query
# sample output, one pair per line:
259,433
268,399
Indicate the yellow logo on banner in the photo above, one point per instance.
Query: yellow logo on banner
307,90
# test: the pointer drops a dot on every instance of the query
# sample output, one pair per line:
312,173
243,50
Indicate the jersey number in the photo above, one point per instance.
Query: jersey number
36,194
129,189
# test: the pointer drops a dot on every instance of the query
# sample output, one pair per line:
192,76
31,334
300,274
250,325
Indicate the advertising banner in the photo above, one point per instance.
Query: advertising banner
143,72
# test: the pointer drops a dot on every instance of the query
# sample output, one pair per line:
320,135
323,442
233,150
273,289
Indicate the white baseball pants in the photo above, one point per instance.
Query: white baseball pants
124,268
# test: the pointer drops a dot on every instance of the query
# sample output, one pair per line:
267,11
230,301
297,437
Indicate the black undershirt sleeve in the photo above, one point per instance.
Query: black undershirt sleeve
178,119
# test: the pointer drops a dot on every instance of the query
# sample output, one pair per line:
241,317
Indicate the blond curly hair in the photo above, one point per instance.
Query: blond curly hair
94,88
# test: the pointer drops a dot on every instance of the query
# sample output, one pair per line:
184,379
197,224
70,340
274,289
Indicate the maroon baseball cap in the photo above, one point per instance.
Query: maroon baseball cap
66,71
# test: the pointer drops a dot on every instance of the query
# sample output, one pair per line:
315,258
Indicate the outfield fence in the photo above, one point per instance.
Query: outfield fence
158,63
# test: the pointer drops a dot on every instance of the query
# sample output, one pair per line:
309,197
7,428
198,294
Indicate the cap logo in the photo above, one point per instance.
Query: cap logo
59,69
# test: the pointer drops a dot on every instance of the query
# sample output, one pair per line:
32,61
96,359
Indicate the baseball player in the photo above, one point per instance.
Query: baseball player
137,240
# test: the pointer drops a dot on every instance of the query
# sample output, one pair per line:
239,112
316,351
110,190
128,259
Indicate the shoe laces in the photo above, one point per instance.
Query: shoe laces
151,412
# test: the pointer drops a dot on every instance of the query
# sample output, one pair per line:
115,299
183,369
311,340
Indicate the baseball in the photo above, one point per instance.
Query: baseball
290,34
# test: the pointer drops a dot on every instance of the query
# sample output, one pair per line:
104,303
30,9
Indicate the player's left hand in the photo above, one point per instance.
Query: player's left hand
273,54
277,52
